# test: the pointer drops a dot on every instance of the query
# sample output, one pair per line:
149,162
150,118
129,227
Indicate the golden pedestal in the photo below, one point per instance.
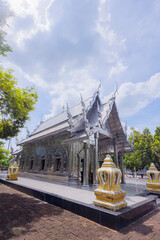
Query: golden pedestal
109,193
153,184
12,172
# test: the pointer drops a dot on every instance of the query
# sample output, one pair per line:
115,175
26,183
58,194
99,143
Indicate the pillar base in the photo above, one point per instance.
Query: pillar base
73,180
153,187
12,177
110,200
110,206
86,187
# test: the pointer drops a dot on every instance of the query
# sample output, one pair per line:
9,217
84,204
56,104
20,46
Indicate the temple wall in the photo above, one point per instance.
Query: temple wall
46,156
49,156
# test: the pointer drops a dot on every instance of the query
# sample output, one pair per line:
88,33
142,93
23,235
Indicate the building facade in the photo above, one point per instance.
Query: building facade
75,142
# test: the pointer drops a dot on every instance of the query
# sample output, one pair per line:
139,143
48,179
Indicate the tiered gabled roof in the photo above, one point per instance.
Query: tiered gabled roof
82,121
56,124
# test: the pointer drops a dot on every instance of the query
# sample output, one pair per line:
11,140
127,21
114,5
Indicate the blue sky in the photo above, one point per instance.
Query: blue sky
65,48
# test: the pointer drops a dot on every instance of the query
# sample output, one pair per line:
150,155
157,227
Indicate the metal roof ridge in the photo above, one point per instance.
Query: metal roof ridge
47,128
65,110
35,133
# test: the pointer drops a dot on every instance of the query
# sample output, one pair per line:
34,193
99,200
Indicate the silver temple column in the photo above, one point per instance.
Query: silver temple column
122,169
115,152
95,167
86,164
73,174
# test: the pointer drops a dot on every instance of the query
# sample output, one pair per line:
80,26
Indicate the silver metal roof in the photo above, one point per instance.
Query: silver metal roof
101,117
55,129
55,124
62,117
17,152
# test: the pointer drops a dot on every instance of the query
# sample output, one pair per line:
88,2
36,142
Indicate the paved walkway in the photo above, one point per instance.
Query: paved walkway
27,218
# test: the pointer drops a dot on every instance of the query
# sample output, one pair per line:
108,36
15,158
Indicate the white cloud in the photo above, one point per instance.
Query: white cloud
117,69
36,9
20,75
78,49
132,97
66,91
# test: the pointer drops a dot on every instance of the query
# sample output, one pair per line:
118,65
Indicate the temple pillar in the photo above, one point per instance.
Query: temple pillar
73,174
122,169
115,152
70,161
78,166
86,164
95,163
74,156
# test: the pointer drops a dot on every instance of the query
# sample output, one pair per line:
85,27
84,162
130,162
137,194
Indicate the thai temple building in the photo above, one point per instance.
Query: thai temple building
74,143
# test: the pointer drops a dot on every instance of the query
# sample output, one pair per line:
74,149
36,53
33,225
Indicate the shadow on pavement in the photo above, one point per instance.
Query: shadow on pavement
18,212
140,227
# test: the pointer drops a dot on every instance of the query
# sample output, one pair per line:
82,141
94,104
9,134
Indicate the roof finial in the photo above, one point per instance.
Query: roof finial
41,119
99,88
99,115
84,113
116,91
82,102
125,127
69,115
28,132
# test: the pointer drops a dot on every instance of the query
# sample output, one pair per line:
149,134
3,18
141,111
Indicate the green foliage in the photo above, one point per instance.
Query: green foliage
5,156
143,150
15,104
5,13
4,47
156,146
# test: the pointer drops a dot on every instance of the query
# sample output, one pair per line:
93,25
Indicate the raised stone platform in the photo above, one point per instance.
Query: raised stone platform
80,201
48,177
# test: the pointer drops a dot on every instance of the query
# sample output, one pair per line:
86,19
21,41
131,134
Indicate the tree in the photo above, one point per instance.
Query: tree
131,160
15,104
4,47
156,147
5,13
143,154
4,155
145,146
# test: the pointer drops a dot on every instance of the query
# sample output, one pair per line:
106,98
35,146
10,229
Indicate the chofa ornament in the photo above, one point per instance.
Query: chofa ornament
109,193
153,184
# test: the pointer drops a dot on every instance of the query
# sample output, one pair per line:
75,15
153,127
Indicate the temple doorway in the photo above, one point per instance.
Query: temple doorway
31,164
81,170
42,164
58,164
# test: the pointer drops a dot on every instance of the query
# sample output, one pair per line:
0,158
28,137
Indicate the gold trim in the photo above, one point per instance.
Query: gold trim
106,194
110,200
110,206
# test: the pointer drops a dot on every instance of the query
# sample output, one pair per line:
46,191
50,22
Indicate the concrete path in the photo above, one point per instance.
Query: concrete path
26,218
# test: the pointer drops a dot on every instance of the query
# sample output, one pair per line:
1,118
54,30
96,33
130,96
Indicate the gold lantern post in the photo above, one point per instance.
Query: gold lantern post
153,184
109,193
13,172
